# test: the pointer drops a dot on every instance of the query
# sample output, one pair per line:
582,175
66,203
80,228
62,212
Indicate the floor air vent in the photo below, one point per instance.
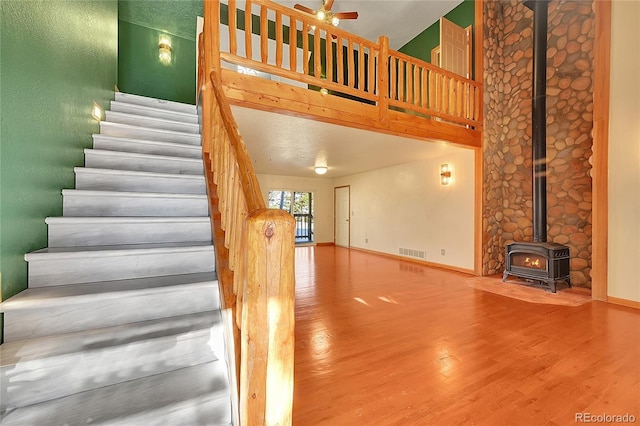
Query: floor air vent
420,254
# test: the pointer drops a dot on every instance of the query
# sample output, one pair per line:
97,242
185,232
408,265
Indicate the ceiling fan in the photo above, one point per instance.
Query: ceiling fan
325,14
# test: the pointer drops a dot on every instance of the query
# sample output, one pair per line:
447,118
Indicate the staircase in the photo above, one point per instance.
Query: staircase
121,321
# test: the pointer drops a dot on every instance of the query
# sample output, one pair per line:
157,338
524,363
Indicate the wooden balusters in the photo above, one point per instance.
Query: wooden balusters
417,81
305,48
383,78
317,58
361,66
393,78
293,44
248,29
351,65
373,57
329,56
279,42
340,59
421,87
233,42
264,35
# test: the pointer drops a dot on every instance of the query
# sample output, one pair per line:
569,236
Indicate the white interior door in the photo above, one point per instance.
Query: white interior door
455,48
342,224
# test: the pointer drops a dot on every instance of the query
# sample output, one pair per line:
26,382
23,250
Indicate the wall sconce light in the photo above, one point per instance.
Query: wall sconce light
96,111
164,49
445,174
321,170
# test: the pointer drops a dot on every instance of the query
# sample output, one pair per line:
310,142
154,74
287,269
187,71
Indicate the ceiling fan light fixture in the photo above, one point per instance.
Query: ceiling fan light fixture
321,15
335,21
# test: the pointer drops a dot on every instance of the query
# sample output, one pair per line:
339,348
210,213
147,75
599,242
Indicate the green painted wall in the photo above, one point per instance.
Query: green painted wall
57,57
139,70
421,45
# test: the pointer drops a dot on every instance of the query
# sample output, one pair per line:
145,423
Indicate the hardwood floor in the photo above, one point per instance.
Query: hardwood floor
385,342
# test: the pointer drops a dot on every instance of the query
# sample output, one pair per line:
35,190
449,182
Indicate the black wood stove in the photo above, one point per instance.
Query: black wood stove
539,261
546,263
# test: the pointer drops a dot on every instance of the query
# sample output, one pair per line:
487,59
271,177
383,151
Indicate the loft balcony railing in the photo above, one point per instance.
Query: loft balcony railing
295,48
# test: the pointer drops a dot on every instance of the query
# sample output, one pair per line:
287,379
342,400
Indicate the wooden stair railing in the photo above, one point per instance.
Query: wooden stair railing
254,256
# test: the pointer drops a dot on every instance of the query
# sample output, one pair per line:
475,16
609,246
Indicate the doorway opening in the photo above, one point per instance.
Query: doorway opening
300,206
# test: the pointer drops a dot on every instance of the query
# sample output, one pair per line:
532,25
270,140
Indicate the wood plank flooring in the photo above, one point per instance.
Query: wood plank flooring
386,342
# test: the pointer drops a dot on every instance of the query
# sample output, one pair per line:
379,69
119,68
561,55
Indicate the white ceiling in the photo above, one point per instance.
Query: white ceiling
291,146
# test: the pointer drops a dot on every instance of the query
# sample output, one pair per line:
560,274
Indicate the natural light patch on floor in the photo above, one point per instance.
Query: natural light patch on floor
359,300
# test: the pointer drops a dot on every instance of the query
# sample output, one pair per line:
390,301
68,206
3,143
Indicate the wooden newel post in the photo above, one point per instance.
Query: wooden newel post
383,78
266,378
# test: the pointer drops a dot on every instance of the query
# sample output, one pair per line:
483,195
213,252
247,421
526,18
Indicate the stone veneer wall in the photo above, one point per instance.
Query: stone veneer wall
508,81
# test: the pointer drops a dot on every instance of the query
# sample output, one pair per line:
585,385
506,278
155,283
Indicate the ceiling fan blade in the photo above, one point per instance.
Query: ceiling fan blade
304,9
328,4
346,15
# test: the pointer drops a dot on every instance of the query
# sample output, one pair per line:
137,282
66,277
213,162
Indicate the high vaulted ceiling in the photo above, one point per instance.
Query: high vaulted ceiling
400,20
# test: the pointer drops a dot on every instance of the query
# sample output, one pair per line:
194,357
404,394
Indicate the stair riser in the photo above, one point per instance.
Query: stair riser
100,311
46,271
95,181
150,122
112,129
127,145
81,205
87,234
155,103
57,376
159,165
156,113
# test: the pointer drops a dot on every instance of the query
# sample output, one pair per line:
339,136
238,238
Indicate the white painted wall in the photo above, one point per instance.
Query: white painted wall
323,203
405,206
624,152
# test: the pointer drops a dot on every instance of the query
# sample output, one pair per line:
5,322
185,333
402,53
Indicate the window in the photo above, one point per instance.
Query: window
300,206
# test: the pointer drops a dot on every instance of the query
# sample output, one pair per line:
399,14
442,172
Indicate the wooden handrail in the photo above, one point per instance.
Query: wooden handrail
254,249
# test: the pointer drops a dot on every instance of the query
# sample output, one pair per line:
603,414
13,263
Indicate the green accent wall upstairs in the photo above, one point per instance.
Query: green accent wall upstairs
140,71
57,57
421,45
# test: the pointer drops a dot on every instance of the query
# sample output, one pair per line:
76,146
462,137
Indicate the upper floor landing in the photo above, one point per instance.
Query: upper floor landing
279,59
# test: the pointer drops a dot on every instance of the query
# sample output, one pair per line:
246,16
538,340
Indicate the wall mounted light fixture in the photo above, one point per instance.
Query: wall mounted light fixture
321,170
96,111
445,174
164,49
